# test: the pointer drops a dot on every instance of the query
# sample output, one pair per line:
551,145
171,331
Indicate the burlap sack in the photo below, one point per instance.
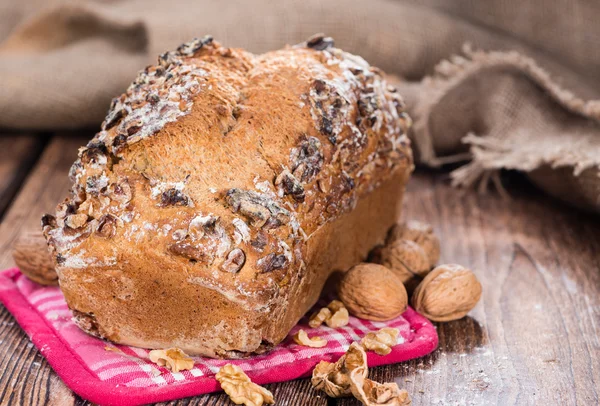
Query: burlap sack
523,96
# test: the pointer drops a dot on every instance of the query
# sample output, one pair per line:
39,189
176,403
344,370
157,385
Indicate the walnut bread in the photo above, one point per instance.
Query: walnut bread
222,191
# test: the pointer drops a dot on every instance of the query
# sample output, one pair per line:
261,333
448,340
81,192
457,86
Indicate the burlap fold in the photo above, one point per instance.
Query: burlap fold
527,98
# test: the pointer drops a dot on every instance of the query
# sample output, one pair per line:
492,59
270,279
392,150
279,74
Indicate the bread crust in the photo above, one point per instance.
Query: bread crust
223,190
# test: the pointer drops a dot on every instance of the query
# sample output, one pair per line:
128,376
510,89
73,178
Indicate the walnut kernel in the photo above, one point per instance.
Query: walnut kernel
339,316
373,292
448,293
319,317
235,261
241,390
315,342
382,341
335,305
173,359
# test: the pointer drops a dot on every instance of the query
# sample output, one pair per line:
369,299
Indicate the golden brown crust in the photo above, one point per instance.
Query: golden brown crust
207,212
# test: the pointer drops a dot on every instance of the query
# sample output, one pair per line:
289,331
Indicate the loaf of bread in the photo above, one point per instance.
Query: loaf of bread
223,190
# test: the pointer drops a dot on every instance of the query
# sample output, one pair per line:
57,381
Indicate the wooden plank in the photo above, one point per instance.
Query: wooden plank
47,185
25,376
533,339
18,153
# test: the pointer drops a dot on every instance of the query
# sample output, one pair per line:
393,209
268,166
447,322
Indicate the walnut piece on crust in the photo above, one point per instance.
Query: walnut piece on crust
241,390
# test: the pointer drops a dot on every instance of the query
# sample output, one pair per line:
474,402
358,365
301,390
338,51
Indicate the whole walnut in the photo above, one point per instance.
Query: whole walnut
406,258
30,252
448,293
420,233
373,292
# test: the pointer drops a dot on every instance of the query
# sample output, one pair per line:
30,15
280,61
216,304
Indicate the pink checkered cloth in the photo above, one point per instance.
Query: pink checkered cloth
110,374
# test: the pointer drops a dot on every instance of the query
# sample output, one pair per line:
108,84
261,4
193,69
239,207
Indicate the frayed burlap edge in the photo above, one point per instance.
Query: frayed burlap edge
488,155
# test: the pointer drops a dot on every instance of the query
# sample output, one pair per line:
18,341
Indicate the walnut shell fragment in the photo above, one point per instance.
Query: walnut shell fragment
420,233
382,341
334,379
448,293
173,359
302,338
241,390
373,292
372,393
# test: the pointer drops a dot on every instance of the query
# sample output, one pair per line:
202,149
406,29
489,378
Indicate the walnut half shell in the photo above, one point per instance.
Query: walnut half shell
372,393
334,379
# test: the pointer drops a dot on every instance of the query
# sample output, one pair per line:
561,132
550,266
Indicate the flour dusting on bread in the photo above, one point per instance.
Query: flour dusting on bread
219,186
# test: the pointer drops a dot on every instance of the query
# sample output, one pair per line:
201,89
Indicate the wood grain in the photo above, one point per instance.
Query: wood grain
45,187
533,338
25,376
18,153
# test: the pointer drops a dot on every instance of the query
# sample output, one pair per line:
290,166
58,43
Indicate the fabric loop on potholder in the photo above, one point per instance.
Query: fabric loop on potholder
111,374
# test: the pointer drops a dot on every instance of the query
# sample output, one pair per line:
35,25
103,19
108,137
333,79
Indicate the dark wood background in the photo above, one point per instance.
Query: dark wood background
533,339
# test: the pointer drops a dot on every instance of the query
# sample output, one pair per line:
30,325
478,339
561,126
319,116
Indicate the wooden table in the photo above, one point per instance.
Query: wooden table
533,339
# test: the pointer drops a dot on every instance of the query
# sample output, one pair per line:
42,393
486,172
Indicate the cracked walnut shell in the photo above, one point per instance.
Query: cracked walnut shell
373,292
372,393
173,359
334,379
420,233
448,293
241,390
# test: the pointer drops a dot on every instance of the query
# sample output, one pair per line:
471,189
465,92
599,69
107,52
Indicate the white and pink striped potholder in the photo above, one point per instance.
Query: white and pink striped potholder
110,374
